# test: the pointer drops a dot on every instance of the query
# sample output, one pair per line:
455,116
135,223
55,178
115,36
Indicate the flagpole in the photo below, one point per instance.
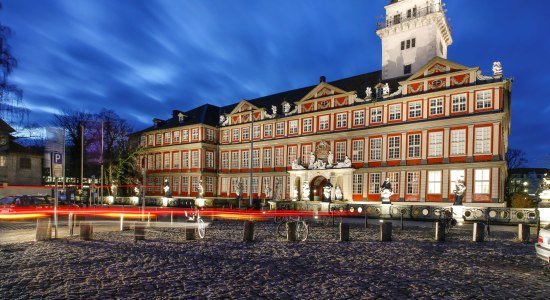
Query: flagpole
101,193
251,201
81,158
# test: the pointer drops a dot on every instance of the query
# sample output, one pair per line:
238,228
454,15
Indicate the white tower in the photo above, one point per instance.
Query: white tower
414,32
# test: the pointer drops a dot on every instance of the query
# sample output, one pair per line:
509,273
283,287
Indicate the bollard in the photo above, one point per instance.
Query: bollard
139,231
479,232
366,220
402,225
439,232
248,232
70,222
385,231
190,233
524,231
172,218
291,232
43,230
344,232
86,231
148,219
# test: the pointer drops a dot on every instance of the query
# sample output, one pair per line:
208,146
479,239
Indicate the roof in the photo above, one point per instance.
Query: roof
209,114
5,127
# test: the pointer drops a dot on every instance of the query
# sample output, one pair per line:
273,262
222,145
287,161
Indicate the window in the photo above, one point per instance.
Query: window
167,137
414,145
280,128
455,175
411,13
435,148
194,184
292,154
234,159
245,161
359,118
434,182
175,184
142,141
306,151
175,160
436,106
412,183
357,184
394,147
209,134
483,140
151,162
255,183
484,99
402,45
209,184
396,19
394,180
407,69
185,160
307,125
374,183
376,115
267,157
407,44
458,142
459,103
234,185
245,134
25,163
324,123
375,148
266,182
268,130
176,136
150,140
482,179
194,159
256,158
342,120
293,127
279,157
357,150
413,42
159,139
225,185
415,110
185,135
395,112
235,136
209,159
195,134
158,161
2,160
340,151
256,132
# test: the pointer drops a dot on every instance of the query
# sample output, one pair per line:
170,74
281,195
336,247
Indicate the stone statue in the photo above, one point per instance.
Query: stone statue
167,190
386,185
239,190
338,193
330,159
311,160
114,188
273,113
318,165
386,89
368,92
200,189
267,192
294,194
296,165
497,69
327,190
224,120
286,109
305,191
386,191
276,194
459,190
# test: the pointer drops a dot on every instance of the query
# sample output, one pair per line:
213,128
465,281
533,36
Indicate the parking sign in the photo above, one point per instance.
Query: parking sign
57,164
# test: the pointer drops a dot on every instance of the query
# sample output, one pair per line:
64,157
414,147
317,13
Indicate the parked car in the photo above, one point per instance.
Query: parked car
543,244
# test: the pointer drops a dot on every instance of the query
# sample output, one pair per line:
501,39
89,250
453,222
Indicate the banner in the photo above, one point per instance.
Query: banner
93,143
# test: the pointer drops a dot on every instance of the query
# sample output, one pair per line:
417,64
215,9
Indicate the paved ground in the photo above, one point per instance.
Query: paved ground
221,266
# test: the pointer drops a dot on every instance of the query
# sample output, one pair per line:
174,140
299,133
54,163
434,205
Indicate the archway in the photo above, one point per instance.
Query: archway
316,187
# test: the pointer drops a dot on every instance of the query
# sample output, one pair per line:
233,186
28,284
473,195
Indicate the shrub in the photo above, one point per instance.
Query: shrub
522,200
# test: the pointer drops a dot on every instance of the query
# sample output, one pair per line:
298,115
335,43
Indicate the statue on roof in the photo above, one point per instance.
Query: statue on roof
273,113
368,92
386,89
224,120
287,109
497,69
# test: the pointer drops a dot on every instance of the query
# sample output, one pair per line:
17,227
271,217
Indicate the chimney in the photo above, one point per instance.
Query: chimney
322,79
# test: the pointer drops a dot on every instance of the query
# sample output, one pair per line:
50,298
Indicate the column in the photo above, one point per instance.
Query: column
423,181
402,184
424,145
384,149
495,140
446,144
469,185
445,185
470,144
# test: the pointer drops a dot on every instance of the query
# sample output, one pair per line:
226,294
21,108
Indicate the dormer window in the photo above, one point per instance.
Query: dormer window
379,92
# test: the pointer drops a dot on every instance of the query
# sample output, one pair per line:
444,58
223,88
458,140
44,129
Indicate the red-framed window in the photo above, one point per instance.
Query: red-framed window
436,106
358,118
307,125
414,110
323,123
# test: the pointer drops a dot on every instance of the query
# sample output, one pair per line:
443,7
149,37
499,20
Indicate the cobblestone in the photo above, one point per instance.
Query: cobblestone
165,265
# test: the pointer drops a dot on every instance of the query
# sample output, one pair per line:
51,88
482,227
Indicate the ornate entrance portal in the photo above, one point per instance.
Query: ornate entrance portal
316,187
315,180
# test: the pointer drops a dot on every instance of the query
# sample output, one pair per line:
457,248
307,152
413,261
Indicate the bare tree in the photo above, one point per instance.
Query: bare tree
515,158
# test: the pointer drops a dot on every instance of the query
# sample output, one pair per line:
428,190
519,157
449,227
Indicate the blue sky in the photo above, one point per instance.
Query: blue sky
145,58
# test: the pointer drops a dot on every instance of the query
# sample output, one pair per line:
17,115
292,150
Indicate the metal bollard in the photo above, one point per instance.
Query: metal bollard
385,231
344,232
524,232
43,229
366,220
479,232
86,231
70,222
248,231
439,232
139,231
291,232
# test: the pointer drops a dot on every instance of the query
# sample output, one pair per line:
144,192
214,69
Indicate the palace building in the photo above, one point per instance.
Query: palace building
422,121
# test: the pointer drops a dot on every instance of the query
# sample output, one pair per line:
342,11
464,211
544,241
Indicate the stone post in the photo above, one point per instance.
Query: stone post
86,231
479,232
524,232
385,231
139,231
43,230
439,232
190,233
344,232
248,231
71,220
291,232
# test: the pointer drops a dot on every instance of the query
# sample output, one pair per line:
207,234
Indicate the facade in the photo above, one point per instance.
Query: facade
526,180
422,121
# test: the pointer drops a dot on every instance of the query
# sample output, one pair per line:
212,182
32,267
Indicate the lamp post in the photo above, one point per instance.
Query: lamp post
251,200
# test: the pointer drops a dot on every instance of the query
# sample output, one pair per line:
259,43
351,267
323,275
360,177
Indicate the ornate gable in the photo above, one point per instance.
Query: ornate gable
242,107
323,89
435,67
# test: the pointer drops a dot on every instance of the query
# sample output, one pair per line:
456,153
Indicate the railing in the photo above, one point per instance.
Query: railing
411,14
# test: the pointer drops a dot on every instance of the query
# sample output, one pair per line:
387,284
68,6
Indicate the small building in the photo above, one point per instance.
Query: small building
526,180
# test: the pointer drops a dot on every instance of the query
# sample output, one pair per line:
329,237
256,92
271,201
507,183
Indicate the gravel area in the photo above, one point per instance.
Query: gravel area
221,266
